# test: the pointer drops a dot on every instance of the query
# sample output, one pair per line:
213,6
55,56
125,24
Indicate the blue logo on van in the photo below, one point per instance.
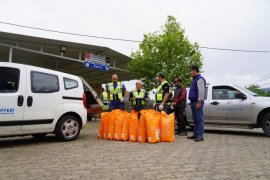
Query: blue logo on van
7,110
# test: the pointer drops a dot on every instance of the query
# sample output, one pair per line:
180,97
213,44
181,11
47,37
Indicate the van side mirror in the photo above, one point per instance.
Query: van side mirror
240,95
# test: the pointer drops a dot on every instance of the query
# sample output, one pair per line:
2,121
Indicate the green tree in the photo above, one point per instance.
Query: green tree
257,89
168,51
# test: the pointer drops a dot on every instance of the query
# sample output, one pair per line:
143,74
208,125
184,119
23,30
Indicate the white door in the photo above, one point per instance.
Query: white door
43,99
12,97
226,108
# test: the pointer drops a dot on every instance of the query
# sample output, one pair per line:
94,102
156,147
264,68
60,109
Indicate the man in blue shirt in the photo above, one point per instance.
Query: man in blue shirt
197,95
117,93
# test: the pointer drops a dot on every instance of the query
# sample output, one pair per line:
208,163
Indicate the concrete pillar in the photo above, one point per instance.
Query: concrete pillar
10,54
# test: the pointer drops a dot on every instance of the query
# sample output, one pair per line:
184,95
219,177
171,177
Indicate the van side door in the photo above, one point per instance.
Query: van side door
12,97
43,99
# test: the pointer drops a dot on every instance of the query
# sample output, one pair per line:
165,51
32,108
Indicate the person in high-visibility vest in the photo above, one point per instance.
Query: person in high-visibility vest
162,94
104,98
138,97
170,108
117,93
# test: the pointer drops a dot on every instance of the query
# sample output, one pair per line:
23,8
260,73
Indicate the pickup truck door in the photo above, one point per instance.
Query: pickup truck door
205,108
226,108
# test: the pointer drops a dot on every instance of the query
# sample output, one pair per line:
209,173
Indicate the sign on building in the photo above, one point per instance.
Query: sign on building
96,61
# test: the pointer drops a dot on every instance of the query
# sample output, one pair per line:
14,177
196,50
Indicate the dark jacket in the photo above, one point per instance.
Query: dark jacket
180,96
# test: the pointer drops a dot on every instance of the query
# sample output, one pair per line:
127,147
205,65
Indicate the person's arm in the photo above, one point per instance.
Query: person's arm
201,92
166,89
201,89
165,98
108,93
131,96
146,96
182,96
125,93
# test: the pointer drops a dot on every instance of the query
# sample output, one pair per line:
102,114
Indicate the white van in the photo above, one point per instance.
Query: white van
36,101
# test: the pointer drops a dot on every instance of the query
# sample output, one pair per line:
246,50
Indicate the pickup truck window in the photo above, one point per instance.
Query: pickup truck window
224,92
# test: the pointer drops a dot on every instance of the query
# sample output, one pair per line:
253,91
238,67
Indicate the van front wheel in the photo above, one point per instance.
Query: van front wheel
266,124
67,128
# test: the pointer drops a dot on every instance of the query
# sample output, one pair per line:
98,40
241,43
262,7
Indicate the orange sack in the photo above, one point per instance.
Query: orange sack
142,136
152,118
120,116
124,132
101,126
133,126
167,127
111,124
105,119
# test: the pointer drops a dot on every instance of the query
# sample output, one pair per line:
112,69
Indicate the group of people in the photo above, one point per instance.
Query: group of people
170,98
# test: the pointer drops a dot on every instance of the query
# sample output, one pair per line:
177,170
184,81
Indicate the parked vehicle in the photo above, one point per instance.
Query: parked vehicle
93,102
234,106
36,101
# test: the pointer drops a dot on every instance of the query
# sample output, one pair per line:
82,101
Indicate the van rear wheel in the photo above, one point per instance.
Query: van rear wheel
266,124
67,128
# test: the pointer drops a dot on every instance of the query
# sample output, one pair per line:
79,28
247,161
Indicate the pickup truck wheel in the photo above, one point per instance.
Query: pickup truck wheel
39,136
67,128
266,124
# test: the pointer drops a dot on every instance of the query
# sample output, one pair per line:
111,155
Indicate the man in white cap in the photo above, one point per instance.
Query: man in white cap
138,97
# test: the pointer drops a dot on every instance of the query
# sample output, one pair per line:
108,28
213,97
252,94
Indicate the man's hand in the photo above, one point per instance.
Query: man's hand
122,100
174,103
161,107
198,105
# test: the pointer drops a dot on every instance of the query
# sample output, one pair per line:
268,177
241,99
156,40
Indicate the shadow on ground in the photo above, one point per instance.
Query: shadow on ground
26,140
238,132
29,140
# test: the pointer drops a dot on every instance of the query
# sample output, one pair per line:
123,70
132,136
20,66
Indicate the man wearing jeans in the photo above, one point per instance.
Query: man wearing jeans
197,94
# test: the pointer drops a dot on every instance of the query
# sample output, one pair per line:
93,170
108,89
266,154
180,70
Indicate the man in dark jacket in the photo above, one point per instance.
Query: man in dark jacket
179,103
197,95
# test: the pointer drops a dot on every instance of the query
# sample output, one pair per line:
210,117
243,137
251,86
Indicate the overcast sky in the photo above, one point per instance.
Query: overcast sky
236,24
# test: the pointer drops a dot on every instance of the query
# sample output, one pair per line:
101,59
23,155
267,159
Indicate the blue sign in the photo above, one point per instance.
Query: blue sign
98,66
7,110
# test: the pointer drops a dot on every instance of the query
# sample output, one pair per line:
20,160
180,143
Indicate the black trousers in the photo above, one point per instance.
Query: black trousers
179,114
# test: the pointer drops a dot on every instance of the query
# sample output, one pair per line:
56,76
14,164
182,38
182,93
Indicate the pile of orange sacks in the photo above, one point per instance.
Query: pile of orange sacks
152,127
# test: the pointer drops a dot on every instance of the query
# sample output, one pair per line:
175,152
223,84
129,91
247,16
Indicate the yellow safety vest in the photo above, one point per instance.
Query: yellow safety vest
105,106
171,97
105,97
159,93
139,101
115,94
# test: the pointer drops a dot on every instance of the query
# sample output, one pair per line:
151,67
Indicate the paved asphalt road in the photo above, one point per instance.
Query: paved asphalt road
223,155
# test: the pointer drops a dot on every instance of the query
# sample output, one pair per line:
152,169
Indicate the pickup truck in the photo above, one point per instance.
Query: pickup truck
234,106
